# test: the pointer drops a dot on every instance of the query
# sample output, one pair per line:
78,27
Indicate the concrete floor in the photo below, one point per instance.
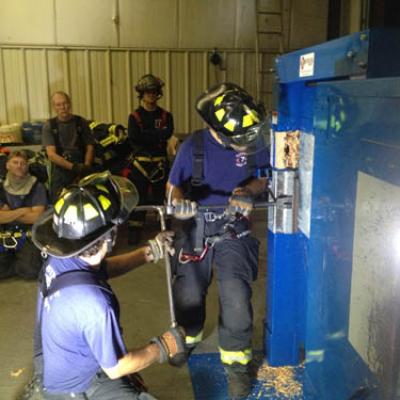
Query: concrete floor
144,307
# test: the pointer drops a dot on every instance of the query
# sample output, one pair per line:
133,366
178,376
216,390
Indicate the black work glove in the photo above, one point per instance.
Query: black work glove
172,346
241,202
80,169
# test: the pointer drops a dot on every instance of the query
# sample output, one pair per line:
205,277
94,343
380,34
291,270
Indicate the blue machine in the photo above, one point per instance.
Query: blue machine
333,283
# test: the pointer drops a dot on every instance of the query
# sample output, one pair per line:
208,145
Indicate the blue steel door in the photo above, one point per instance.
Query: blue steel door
351,253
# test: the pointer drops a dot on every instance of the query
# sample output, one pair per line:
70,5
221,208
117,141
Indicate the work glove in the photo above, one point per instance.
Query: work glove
80,169
158,244
172,346
184,209
241,202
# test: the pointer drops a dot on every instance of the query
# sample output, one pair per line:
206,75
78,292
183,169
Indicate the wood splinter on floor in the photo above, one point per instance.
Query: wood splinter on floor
281,380
17,372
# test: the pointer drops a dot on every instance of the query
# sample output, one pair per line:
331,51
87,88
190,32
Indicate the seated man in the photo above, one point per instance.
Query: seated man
22,200
69,145
79,348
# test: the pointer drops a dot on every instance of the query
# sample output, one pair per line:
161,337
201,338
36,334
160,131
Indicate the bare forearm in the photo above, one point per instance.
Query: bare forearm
134,361
7,216
61,161
257,186
89,155
177,192
121,264
30,217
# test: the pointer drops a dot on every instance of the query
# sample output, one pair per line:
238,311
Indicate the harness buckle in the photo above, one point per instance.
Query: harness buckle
211,216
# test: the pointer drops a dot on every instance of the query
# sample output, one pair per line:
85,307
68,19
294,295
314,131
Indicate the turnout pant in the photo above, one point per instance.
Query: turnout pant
104,388
236,262
25,262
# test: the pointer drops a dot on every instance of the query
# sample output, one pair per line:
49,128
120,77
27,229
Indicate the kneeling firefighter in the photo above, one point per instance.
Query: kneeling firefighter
218,164
79,349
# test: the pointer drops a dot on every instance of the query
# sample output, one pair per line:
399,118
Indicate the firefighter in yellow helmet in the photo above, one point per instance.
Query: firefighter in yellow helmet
218,164
79,347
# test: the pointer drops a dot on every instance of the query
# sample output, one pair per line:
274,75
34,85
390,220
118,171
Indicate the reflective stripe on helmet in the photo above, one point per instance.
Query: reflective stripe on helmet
230,125
58,205
104,202
191,340
220,114
89,211
241,357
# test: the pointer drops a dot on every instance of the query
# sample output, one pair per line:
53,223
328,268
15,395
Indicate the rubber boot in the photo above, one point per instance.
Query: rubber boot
239,381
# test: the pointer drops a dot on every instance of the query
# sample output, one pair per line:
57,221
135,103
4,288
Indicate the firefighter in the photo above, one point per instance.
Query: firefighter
22,200
216,166
149,128
79,348
69,145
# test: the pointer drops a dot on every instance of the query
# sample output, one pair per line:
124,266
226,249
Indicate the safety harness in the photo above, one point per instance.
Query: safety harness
210,226
152,168
54,125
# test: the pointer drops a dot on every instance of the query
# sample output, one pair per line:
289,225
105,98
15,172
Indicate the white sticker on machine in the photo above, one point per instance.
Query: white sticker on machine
306,65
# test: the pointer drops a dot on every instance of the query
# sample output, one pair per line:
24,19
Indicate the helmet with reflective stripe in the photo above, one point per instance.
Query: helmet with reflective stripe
232,113
148,83
83,214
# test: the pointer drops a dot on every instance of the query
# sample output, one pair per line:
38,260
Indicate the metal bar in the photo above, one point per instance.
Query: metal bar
25,83
128,80
4,86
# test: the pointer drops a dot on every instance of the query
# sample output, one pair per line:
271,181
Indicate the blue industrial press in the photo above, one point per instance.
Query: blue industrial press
333,274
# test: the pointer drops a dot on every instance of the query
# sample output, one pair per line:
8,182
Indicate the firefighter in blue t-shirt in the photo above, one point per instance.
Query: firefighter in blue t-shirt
216,166
79,349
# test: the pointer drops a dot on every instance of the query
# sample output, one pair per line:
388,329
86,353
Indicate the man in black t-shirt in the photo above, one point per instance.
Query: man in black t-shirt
69,145
22,200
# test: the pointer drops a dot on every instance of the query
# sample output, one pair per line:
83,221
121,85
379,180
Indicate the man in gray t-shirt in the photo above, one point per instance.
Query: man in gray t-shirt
69,145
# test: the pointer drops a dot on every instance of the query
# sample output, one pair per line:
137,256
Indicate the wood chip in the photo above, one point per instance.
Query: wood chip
281,380
16,373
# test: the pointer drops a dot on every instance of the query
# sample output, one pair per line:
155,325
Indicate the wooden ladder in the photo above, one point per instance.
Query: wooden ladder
269,28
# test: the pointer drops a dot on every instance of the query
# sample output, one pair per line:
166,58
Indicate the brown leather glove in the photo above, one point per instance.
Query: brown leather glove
172,346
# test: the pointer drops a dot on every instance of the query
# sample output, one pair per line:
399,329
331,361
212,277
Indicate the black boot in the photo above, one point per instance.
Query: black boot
239,381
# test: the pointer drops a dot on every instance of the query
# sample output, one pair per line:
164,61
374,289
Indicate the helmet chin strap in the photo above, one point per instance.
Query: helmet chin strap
111,239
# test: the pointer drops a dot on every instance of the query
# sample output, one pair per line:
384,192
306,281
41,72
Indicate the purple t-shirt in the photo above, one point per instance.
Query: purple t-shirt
224,169
80,331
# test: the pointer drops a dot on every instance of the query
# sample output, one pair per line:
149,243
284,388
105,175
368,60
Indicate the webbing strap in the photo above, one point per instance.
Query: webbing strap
71,278
198,159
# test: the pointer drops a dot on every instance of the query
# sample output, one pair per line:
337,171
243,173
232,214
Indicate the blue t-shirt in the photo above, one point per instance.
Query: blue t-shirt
80,331
224,169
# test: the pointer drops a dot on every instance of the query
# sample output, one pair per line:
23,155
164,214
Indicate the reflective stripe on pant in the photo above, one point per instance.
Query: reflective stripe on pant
236,268
241,357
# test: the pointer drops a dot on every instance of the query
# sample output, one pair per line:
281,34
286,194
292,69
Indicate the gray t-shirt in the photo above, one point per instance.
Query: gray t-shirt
69,139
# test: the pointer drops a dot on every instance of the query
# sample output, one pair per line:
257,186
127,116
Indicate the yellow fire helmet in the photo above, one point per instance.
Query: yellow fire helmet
83,214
